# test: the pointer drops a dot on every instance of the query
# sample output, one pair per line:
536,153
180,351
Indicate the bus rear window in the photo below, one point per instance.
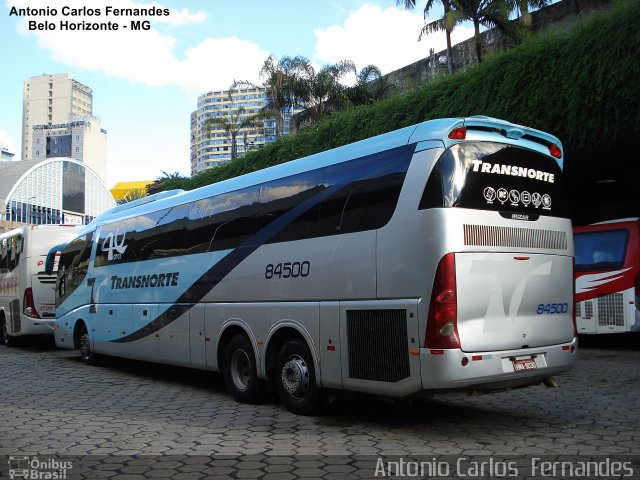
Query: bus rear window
600,250
495,176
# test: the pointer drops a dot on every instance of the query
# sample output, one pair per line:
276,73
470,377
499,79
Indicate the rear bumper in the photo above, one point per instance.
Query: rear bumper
35,326
488,371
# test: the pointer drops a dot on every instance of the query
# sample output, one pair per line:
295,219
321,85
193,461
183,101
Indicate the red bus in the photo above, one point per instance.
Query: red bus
608,276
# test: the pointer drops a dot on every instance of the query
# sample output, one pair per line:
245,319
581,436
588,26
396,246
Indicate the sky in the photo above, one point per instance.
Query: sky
146,83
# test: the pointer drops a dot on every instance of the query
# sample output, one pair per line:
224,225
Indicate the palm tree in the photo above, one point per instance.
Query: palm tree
370,86
489,13
438,25
280,79
322,91
523,9
236,119
169,181
131,195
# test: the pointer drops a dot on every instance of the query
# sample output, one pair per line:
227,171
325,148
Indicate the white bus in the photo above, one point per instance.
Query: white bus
26,292
433,259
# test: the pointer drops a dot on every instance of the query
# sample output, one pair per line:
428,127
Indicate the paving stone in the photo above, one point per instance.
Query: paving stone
144,424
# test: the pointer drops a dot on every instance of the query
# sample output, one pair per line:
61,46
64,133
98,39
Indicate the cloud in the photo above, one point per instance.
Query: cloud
385,38
146,57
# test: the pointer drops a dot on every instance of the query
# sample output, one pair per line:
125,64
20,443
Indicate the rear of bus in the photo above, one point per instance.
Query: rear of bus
37,288
495,241
607,277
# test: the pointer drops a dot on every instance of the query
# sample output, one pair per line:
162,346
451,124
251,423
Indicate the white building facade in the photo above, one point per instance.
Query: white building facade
53,191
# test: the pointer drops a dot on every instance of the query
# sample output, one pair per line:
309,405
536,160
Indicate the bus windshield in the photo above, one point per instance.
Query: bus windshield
495,176
600,250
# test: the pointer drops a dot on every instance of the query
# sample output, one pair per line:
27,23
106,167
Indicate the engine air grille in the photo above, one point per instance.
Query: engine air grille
578,309
47,279
494,236
378,345
611,310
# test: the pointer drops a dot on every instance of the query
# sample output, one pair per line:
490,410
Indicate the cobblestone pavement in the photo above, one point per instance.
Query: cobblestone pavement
136,420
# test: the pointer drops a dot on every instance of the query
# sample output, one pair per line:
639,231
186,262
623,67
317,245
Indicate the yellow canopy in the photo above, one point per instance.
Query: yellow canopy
121,189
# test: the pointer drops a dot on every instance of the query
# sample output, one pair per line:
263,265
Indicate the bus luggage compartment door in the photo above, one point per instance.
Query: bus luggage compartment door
509,300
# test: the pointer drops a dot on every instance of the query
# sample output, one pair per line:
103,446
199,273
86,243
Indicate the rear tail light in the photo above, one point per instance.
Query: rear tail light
442,321
555,150
459,133
29,307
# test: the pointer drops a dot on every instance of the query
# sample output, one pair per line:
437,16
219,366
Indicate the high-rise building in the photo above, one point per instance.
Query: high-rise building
211,145
51,100
58,121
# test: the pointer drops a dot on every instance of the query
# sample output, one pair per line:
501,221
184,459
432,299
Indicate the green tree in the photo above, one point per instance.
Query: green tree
523,9
322,91
131,195
488,13
169,181
370,86
445,23
280,80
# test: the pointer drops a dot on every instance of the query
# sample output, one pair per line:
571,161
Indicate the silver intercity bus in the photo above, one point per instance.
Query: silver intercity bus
435,259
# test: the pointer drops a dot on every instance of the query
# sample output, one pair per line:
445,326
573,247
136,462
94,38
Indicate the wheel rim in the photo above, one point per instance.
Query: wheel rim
240,369
295,376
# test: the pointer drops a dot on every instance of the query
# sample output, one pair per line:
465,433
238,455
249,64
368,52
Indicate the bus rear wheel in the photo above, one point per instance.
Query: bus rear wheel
87,355
296,378
240,371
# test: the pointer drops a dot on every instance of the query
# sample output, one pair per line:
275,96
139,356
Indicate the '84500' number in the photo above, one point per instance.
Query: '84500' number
552,308
287,270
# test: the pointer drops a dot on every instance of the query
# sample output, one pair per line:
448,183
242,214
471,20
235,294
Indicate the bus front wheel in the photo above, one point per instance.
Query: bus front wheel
87,355
296,378
240,372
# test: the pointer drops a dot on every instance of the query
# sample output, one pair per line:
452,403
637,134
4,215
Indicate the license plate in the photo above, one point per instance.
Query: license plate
47,308
524,365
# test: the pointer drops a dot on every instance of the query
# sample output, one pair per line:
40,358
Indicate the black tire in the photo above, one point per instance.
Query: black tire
296,378
7,340
240,371
87,354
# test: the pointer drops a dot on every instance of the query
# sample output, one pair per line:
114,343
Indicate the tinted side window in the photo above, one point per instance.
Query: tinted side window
296,194
161,234
597,251
222,222
10,250
116,243
365,191
73,266
4,255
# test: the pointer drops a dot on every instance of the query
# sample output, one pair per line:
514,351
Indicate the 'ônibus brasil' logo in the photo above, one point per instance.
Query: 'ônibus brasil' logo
114,242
